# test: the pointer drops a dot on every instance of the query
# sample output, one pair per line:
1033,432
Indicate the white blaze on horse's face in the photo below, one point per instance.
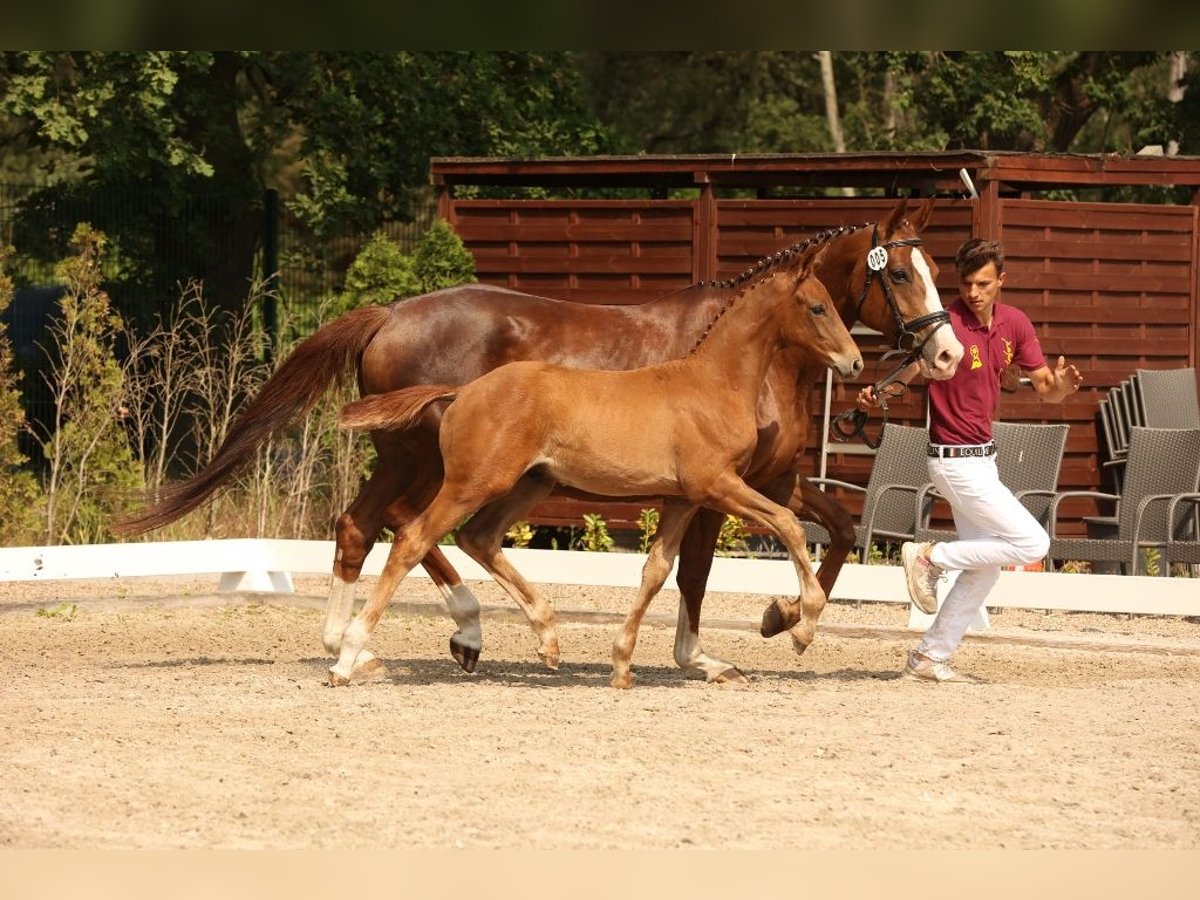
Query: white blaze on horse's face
943,352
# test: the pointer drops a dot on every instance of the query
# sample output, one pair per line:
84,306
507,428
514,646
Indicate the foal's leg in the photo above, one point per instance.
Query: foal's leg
840,525
408,476
735,496
481,539
410,545
671,524
695,564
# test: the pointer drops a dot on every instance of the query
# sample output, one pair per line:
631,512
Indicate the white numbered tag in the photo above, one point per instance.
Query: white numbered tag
877,259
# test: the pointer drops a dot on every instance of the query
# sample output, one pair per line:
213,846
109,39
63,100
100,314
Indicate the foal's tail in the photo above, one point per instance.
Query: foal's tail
395,410
320,361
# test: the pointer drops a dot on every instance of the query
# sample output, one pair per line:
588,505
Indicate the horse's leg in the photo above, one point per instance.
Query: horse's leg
481,539
733,495
356,531
676,514
410,545
695,564
839,523
464,606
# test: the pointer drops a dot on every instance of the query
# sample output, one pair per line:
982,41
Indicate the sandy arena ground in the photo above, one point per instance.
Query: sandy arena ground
159,714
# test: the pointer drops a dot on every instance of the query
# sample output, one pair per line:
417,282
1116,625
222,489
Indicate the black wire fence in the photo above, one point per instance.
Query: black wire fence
157,248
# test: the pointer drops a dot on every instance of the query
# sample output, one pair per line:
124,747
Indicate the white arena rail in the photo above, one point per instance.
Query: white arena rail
252,564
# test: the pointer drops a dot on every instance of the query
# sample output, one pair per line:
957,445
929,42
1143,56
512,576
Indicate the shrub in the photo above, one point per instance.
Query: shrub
441,259
90,464
595,536
18,487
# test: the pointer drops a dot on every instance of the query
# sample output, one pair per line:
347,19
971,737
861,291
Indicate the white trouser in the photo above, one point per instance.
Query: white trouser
994,530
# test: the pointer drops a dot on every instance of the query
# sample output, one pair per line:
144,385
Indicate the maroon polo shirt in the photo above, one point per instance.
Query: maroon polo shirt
961,408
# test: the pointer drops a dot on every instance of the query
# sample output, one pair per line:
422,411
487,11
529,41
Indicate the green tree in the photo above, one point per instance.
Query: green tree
345,137
722,101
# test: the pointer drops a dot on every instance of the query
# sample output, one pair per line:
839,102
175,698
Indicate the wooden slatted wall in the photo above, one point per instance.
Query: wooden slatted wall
1111,286
590,251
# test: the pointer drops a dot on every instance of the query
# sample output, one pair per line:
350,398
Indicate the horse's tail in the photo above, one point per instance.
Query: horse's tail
316,364
395,410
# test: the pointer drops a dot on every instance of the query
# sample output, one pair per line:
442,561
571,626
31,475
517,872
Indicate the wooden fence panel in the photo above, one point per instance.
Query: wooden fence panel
1110,286
590,251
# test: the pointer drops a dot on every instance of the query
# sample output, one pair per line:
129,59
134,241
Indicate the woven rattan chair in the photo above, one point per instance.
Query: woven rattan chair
1162,463
1184,543
898,474
1168,398
1028,458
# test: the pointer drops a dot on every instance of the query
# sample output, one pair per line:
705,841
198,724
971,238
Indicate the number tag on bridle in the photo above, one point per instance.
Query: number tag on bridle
877,259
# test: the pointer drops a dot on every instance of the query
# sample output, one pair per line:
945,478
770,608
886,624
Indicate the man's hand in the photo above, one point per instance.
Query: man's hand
1067,378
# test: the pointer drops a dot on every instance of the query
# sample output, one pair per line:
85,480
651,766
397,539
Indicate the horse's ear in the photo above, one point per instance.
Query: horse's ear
889,224
921,217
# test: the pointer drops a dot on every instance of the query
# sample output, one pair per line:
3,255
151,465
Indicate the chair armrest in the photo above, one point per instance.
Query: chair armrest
869,519
1171,508
1143,506
923,503
1052,516
833,482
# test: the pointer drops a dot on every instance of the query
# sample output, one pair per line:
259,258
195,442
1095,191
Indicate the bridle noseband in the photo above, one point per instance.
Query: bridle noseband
906,332
907,344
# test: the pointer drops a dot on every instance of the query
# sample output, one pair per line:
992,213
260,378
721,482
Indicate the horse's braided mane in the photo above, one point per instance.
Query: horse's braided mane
768,266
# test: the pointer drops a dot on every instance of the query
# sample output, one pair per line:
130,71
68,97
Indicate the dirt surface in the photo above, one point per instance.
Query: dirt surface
155,713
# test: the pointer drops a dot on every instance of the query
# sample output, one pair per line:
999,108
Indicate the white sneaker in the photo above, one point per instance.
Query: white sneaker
921,668
921,575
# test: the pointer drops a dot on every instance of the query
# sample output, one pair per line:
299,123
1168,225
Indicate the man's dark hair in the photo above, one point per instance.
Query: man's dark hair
976,253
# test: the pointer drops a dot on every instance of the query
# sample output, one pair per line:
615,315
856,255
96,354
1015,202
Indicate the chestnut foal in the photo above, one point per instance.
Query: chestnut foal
684,430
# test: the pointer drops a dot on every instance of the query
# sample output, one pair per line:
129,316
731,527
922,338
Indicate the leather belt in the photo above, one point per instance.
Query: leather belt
949,451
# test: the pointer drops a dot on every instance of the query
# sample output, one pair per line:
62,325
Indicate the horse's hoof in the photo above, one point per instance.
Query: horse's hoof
552,660
336,680
623,681
772,621
467,657
732,675
373,667
798,645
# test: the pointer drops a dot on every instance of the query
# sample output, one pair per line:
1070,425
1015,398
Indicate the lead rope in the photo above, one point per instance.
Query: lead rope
856,419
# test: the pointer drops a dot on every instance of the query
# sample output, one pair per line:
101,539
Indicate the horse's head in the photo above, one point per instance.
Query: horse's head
812,322
899,295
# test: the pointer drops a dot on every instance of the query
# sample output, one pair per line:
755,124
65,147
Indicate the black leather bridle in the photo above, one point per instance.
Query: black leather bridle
907,333
908,344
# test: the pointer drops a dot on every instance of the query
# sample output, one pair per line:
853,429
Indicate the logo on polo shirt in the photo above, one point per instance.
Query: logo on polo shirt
976,362
1008,350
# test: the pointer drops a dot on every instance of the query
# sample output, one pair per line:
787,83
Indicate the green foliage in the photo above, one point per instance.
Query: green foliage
379,274
442,260
595,536
647,528
383,273
731,540
344,137
18,487
520,534
90,463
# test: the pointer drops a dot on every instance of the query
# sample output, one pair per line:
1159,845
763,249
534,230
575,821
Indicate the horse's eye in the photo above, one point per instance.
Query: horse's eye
819,309
899,275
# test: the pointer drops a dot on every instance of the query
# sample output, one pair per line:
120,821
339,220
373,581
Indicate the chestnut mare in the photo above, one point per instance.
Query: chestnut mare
682,430
455,335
